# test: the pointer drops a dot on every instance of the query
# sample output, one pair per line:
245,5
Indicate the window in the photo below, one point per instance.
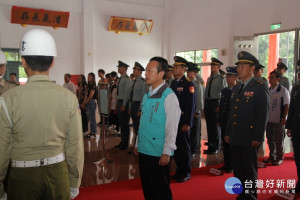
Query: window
202,58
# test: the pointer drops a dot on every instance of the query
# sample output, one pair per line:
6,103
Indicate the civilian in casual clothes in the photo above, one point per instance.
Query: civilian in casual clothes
68,83
278,110
81,95
90,103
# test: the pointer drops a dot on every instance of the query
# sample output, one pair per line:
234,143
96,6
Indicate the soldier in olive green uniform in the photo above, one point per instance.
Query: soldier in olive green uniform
41,131
258,74
138,90
4,85
284,81
169,76
247,120
123,95
215,83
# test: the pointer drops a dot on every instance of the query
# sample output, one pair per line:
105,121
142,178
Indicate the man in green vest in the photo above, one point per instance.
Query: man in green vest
157,132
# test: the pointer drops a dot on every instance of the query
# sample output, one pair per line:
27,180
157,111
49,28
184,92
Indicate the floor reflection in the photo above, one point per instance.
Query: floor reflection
124,166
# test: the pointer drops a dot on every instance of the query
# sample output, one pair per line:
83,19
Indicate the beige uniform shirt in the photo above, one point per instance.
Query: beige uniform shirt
46,121
5,85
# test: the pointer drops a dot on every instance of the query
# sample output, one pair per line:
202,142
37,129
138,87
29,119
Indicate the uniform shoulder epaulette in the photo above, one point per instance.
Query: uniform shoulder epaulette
187,79
126,76
198,82
259,81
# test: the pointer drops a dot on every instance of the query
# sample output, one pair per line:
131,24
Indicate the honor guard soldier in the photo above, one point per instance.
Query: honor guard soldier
196,128
215,84
293,128
247,122
41,129
231,78
185,92
284,81
138,90
169,76
4,85
258,74
123,95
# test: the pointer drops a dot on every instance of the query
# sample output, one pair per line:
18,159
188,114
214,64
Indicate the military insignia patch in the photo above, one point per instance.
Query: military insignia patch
240,54
192,89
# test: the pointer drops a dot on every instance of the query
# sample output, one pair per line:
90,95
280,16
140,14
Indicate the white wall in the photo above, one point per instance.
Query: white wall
67,39
110,47
213,23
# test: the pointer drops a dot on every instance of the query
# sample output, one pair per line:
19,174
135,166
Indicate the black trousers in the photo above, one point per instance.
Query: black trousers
296,147
135,107
182,155
244,163
123,118
113,119
196,134
213,130
226,148
155,178
84,120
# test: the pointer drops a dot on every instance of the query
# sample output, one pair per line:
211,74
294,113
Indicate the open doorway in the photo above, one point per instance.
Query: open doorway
275,47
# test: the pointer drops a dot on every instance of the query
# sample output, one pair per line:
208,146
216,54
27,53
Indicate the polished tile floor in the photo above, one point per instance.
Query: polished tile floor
124,166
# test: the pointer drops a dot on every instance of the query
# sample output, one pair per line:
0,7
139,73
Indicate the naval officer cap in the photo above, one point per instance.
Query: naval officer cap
246,57
281,65
170,68
259,66
231,70
180,61
121,64
215,61
138,66
193,67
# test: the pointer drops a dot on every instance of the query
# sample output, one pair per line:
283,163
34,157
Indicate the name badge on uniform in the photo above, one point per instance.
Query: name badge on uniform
180,89
192,89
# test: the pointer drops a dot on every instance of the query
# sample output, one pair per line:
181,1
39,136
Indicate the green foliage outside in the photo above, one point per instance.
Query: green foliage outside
286,50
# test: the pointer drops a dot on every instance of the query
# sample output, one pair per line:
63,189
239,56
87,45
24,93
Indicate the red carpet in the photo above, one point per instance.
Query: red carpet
202,185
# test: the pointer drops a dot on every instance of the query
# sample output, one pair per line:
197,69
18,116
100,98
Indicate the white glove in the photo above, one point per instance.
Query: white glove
74,192
4,197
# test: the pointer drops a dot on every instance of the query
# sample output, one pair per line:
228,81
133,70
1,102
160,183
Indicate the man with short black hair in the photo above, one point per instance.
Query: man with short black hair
259,69
279,106
68,83
247,122
157,132
41,129
13,78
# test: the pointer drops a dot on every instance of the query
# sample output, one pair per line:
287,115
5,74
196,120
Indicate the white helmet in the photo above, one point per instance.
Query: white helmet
38,42
2,58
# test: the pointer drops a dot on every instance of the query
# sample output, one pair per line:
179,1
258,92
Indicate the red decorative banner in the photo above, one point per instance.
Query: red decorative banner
140,26
24,16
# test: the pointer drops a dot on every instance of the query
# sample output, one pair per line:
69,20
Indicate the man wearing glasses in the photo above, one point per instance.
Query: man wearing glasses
247,121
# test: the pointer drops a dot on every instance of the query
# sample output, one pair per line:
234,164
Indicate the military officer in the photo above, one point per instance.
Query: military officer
284,81
258,74
123,95
196,128
4,85
215,83
138,89
169,76
293,128
247,122
231,78
37,149
185,92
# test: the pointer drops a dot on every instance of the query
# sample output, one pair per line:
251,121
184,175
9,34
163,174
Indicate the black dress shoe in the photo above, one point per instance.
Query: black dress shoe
118,146
184,179
123,147
174,177
210,152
